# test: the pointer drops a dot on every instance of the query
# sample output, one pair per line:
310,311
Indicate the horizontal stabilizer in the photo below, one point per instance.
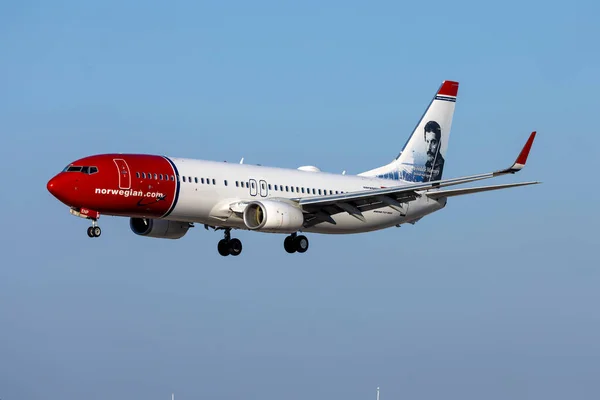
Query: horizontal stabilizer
460,192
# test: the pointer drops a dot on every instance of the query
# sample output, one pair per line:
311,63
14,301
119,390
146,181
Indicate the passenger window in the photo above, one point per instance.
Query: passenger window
330,191
137,174
291,187
302,190
287,189
319,191
237,184
184,178
160,176
253,185
269,186
202,180
225,181
173,178
144,175
214,183
313,191
156,176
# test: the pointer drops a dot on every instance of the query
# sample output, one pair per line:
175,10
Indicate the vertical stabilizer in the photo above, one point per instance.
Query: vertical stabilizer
423,155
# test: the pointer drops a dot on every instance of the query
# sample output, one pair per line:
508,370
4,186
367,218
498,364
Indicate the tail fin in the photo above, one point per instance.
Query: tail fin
423,156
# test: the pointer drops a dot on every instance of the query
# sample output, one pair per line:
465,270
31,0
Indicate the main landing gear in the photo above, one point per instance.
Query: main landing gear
228,246
294,243
94,231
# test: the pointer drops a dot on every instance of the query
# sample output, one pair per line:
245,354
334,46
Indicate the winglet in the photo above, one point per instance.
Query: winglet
522,159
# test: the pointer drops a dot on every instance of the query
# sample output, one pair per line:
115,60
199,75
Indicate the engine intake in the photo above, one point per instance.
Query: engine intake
158,228
273,216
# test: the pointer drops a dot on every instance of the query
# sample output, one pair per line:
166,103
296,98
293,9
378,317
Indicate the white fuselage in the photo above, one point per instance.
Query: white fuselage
207,190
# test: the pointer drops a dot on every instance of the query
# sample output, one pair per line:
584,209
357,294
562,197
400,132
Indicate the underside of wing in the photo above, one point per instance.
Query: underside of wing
459,192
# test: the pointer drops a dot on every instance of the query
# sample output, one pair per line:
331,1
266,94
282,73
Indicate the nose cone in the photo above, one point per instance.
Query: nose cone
52,186
61,187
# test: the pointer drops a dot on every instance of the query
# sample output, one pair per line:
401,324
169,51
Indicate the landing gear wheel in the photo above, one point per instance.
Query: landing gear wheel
96,231
235,247
301,243
228,246
288,244
223,247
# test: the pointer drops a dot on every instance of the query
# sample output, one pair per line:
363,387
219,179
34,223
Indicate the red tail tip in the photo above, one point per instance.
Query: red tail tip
449,88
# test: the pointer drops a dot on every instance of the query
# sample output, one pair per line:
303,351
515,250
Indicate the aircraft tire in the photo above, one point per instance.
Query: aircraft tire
289,245
235,247
301,243
223,247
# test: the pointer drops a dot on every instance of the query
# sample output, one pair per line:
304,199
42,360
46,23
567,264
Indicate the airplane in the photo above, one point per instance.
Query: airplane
164,197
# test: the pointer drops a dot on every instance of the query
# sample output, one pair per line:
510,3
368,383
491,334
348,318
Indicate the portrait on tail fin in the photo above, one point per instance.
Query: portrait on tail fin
423,156
435,161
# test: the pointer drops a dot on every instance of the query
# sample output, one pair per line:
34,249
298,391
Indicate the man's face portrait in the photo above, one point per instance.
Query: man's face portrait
433,144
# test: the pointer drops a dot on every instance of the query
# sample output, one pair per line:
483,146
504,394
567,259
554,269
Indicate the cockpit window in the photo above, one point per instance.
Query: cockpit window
85,169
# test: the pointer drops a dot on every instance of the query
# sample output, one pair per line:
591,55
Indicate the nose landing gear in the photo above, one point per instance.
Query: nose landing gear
94,230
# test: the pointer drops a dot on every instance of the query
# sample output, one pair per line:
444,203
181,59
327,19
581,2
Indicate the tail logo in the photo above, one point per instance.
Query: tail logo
426,163
422,158
435,161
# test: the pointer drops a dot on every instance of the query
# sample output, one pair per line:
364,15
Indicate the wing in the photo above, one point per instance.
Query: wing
320,208
459,192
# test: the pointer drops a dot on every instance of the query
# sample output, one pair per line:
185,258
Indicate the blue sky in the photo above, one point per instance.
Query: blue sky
493,297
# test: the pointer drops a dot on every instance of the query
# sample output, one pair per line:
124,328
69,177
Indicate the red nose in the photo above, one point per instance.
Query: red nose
52,186
60,187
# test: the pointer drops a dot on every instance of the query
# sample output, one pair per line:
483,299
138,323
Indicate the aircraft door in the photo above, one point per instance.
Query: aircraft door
124,173
263,188
253,188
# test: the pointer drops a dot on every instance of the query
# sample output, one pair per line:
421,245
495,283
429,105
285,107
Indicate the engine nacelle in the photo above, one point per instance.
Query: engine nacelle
273,216
158,228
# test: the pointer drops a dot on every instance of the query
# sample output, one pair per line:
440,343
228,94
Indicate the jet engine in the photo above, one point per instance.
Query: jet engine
273,216
158,228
